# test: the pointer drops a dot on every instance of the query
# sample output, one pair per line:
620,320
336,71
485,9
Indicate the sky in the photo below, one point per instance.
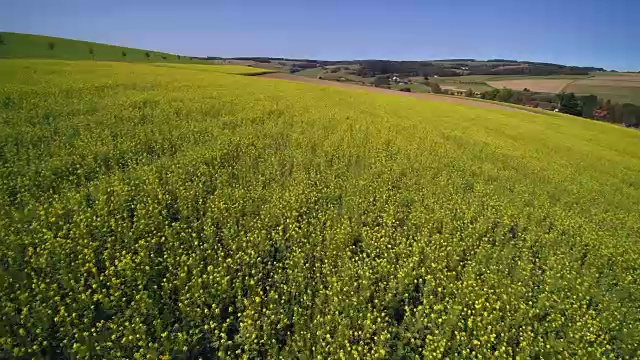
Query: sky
572,32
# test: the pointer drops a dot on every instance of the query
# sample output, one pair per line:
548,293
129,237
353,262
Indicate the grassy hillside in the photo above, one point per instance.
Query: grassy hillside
151,210
15,45
617,87
620,94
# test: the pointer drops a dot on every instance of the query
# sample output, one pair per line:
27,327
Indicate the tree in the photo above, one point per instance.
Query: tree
124,54
91,51
147,55
517,98
435,88
490,95
526,97
469,93
51,45
588,103
2,40
504,95
381,80
630,114
178,57
616,113
568,104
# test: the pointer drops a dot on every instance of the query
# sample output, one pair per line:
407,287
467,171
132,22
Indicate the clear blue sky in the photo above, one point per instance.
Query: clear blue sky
574,32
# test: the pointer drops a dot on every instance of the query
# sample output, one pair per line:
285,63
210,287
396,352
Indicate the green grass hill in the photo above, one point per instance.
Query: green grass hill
16,45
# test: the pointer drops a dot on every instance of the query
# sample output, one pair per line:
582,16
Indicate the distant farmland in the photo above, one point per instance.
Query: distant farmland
622,88
537,85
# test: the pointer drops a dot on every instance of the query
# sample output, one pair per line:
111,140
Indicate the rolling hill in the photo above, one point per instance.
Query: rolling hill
17,45
161,211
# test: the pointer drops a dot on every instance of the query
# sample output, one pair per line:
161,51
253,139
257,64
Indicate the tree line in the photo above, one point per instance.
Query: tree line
587,106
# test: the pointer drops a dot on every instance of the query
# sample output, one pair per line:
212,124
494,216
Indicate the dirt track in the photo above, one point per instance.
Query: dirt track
289,77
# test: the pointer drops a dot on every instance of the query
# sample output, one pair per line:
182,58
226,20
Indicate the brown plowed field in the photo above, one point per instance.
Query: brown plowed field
289,77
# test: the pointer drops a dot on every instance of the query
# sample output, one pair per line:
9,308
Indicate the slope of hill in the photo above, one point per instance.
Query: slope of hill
152,211
621,87
16,45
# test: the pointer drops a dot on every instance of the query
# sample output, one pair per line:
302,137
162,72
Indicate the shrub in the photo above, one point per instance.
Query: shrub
147,55
51,45
2,40
504,95
124,54
405,89
91,52
569,104
381,80
435,88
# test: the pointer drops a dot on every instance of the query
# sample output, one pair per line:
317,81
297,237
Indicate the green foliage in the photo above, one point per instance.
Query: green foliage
568,103
490,95
381,80
588,103
160,211
51,45
91,51
435,87
147,55
124,54
2,42
504,95
469,93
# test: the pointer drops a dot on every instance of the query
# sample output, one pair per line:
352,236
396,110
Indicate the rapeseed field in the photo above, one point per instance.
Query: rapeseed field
150,211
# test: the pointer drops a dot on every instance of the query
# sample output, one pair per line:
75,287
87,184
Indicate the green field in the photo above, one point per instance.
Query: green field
150,211
414,87
37,46
462,83
313,73
619,94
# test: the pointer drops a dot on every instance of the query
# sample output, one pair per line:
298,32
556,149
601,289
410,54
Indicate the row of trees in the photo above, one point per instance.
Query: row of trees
52,45
588,106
